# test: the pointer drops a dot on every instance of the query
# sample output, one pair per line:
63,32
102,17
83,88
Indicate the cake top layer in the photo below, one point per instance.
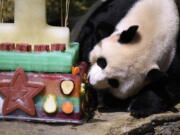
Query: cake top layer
30,25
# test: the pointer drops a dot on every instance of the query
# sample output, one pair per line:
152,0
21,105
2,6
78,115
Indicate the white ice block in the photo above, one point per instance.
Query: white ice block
30,25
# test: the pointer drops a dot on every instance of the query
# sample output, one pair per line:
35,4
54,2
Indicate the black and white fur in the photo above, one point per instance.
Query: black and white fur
140,57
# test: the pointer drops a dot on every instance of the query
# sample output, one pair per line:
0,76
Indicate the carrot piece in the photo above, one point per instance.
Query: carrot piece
75,70
67,108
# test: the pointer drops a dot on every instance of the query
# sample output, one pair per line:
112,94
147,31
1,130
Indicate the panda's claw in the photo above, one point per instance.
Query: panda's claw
138,114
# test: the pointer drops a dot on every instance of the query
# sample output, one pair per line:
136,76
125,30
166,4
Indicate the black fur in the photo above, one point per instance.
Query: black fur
103,29
147,103
114,83
157,97
101,62
128,35
156,75
162,94
101,24
164,90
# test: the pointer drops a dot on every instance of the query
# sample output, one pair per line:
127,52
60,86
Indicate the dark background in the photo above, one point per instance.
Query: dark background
77,9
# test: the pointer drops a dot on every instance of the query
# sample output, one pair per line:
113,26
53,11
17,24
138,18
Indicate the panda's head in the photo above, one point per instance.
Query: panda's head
116,63
137,49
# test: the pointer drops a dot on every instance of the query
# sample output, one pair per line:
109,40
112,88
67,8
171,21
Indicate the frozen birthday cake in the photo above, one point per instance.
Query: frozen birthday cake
40,76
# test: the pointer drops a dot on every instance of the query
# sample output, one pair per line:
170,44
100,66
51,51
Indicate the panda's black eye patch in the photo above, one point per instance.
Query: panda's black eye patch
114,83
128,35
101,62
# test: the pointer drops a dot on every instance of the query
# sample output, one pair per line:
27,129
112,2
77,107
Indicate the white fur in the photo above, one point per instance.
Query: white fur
158,23
97,74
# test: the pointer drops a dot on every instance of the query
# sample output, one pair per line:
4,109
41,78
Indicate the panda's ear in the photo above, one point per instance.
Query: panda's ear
128,35
103,30
156,75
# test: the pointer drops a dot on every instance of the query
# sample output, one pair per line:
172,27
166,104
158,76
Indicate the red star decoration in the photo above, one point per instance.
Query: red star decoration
19,93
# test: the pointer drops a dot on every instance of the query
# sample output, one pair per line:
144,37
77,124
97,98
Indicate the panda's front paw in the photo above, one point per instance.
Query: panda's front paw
146,104
138,113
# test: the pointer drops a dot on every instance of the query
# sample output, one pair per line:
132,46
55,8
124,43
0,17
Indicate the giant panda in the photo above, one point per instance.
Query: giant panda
133,49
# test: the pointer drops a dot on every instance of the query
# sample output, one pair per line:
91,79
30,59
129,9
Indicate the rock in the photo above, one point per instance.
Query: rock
168,128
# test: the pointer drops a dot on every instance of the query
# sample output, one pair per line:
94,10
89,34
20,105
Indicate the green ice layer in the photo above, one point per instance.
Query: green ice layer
61,62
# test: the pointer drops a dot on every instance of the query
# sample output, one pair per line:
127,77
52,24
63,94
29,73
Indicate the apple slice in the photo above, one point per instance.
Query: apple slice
67,87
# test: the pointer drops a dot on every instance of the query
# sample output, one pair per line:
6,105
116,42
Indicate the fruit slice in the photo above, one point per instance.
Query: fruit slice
67,87
68,108
50,105
75,70
83,89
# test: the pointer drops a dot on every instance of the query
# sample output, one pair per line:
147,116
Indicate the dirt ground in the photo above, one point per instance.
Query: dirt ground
102,124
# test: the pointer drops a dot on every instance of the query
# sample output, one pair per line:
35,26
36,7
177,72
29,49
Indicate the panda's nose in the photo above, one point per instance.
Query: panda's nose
114,83
101,62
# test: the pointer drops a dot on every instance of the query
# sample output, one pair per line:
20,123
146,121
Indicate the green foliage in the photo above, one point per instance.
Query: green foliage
77,8
80,6
8,9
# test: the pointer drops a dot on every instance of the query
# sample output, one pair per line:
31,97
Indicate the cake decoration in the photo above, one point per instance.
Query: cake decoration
21,47
67,87
19,93
40,76
67,108
50,104
53,61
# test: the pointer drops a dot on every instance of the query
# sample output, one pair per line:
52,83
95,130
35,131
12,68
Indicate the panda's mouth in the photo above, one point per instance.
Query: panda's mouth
107,83
103,84
114,83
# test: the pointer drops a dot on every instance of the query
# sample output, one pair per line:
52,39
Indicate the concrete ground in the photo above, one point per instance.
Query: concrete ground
116,123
